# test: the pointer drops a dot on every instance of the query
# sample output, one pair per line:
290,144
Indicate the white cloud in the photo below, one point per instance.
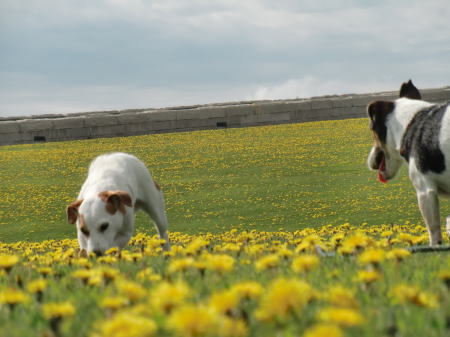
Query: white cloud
397,18
310,86
56,99
113,54
46,98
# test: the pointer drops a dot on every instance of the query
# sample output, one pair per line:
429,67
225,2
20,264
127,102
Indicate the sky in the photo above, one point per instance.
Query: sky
63,56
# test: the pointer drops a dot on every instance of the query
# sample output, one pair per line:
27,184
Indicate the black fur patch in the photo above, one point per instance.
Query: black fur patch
378,113
421,139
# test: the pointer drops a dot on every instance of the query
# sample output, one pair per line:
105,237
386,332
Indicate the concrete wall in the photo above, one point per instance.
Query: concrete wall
30,129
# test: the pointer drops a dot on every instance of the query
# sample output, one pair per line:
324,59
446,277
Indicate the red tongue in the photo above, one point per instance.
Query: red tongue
381,169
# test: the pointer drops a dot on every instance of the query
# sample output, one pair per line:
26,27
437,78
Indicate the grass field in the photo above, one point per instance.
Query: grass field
246,207
286,176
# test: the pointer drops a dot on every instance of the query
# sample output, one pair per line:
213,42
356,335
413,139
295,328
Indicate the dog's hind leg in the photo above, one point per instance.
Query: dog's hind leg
429,207
154,206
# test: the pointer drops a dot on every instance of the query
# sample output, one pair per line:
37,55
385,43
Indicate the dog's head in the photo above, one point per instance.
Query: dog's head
100,220
384,156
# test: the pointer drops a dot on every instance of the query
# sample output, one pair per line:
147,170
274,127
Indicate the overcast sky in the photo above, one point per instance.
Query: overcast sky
60,56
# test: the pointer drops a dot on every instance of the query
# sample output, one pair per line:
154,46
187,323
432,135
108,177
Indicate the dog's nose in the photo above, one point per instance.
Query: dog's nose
98,252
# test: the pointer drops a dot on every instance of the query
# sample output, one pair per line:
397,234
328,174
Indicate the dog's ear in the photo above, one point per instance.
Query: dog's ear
116,200
72,211
408,90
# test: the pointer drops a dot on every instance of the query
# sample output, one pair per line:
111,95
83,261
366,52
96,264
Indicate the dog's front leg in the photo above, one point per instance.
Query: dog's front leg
447,226
429,207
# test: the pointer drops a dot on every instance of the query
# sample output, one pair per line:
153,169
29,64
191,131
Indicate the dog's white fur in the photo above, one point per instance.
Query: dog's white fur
118,184
429,185
405,110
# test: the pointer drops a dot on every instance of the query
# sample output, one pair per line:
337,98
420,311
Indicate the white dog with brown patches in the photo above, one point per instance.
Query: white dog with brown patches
118,184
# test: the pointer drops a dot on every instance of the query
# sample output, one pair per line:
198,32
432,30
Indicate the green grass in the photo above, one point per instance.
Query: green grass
266,178
285,176
383,315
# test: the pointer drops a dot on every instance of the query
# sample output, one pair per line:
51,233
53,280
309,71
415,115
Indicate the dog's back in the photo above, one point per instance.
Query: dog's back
115,171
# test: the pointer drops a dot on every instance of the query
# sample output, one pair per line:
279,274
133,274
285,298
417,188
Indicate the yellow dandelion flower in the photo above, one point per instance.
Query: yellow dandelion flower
342,316
337,239
387,234
444,275
308,244
114,303
284,252
107,259
228,327
254,249
192,321
133,291
368,276
324,330
45,271
267,262
397,254
13,296
341,297
145,274
304,263
180,265
135,256
283,298
420,240
196,246
37,286
220,263
200,265
128,325
140,309
346,249
372,256
109,274
406,238
83,274
53,310
354,243
167,296
96,279
394,241
229,247
82,262
412,294
68,254
225,301
125,255
155,278
247,290
7,262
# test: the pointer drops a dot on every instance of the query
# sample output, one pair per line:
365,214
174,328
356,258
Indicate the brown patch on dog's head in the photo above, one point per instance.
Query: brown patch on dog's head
408,90
72,211
116,200
83,226
157,186
378,112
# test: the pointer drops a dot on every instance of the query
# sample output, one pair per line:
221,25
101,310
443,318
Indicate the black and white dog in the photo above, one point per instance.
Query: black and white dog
418,132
